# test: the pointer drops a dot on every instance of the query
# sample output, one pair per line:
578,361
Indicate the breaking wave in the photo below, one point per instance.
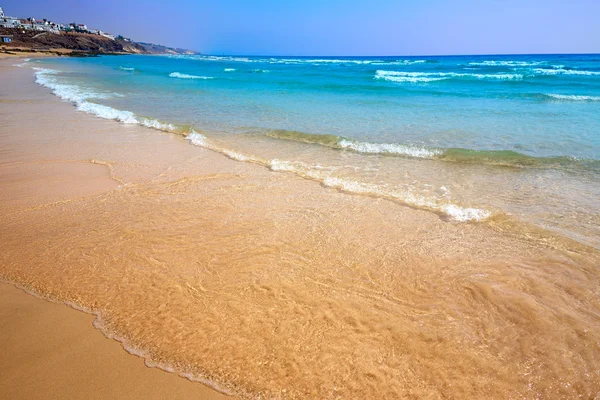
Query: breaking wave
186,76
496,63
503,158
562,71
388,148
80,97
572,97
72,93
518,75
415,77
308,61
130,69
323,175
341,143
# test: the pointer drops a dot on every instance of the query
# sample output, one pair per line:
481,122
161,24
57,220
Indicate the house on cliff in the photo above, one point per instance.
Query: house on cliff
8,22
25,24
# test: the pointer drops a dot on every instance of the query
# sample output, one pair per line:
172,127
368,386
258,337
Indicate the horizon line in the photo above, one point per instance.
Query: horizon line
398,55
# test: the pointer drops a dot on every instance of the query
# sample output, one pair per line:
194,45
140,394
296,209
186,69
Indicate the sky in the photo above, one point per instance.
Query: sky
338,27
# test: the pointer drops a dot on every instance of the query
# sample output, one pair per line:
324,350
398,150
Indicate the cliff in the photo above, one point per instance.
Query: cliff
80,43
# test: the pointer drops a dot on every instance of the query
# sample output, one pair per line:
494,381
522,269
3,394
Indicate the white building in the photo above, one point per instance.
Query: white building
8,22
25,24
46,26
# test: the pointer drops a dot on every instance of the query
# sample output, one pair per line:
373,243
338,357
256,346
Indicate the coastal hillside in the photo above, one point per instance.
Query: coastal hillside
151,48
79,42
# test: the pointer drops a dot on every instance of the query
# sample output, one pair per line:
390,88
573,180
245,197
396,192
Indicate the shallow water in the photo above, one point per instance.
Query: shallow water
468,137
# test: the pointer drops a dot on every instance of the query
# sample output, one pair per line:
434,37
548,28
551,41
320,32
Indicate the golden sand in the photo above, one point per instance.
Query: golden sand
264,284
52,352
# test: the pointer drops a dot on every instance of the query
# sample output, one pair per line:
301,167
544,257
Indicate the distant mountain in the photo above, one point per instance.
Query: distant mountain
159,49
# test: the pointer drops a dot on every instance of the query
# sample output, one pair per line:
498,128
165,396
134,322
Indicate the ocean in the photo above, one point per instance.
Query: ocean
512,139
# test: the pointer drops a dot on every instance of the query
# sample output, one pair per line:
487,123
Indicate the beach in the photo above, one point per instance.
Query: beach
52,351
259,282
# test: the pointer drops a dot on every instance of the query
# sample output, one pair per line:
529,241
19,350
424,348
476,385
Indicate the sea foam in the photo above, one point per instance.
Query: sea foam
80,98
561,71
106,112
496,63
455,212
300,61
572,97
388,148
416,77
186,76
323,175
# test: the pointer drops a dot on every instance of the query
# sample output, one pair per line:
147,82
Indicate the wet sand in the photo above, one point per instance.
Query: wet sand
263,283
20,53
50,351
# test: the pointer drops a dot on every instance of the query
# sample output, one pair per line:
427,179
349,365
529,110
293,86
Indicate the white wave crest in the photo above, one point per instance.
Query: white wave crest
572,97
297,167
127,69
200,140
388,148
462,214
197,139
561,71
229,69
411,79
75,94
106,112
155,124
415,77
186,76
295,61
80,98
208,58
495,63
457,213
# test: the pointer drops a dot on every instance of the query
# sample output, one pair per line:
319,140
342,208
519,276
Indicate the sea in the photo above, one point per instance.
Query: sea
509,139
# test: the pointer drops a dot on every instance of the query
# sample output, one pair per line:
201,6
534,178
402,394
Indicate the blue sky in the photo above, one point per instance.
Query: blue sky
336,27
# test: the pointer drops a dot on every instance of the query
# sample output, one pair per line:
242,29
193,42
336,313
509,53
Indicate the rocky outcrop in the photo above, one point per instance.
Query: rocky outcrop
158,49
80,42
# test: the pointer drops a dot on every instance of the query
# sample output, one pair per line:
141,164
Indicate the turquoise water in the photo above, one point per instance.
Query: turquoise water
491,135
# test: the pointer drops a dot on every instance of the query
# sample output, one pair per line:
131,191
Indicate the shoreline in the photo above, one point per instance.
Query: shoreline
288,276
7,52
111,369
456,210
64,344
